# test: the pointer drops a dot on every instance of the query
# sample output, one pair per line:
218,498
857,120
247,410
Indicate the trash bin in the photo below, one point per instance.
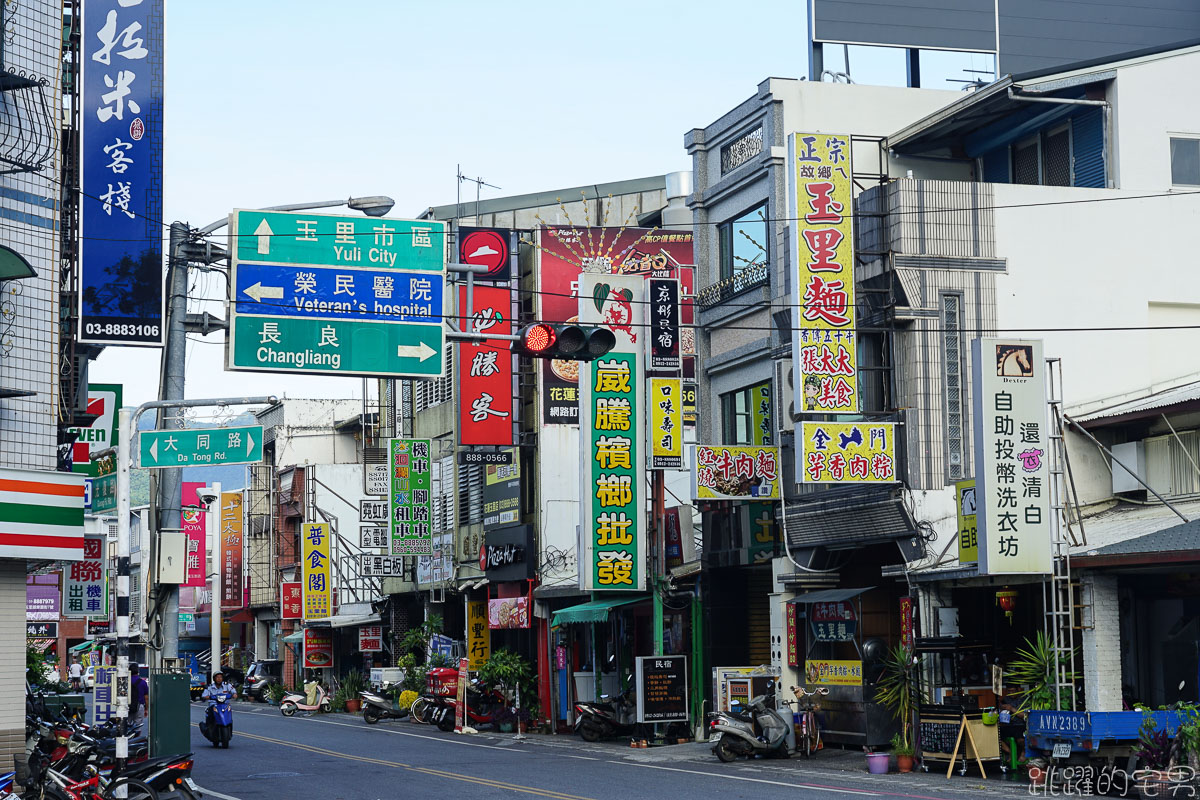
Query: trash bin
170,714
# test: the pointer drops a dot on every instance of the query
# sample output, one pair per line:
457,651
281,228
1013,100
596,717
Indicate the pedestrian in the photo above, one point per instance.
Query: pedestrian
140,694
76,675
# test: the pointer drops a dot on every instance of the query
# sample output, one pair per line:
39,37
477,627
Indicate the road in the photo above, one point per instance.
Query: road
339,757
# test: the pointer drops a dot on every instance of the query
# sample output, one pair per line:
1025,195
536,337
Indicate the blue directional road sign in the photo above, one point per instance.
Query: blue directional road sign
368,295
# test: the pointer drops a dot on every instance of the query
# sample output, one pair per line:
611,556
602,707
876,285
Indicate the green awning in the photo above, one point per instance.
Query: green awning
593,610
79,648
294,638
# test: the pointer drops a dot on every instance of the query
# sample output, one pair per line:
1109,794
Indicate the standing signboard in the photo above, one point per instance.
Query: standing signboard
103,401
479,636
662,688
968,531
291,600
340,295
666,423
233,585
370,639
501,494
314,550
823,341
612,465
318,648
485,370
722,472
848,452
664,324
411,503
121,173
84,582
1011,447
192,519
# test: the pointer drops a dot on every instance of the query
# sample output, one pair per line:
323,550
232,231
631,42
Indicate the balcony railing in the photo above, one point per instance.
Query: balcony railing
743,281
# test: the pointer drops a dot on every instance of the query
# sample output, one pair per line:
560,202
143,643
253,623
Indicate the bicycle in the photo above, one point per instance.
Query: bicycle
48,784
808,738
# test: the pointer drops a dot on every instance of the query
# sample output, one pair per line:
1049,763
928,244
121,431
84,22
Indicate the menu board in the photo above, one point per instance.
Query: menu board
662,691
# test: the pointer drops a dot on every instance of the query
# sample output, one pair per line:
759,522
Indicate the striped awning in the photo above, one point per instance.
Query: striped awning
41,515
41,644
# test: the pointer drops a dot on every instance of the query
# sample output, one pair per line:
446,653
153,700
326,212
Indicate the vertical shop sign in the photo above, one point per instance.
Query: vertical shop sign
318,648
664,324
104,694
793,646
666,423
673,537
318,591
232,543
291,600
194,529
906,622
84,582
848,452
968,533
502,494
824,338
370,638
412,506
479,636
613,523
689,402
485,374
121,173
1011,448
761,419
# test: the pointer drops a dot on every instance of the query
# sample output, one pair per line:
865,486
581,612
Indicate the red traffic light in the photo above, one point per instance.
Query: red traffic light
538,338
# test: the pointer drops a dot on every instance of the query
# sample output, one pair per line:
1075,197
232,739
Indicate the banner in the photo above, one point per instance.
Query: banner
412,506
370,639
1011,447
502,494
479,636
84,582
793,643
104,694
612,467
735,473
762,424
968,534
662,688
318,648
833,622
565,254
314,558
291,600
42,596
509,612
848,452
666,423
193,522
121,173
103,401
906,623
833,673
485,369
233,583
664,324
823,341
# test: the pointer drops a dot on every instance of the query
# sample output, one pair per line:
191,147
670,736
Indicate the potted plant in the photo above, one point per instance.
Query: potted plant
1035,668
508,672
353,685
897,691
1153,752
275,693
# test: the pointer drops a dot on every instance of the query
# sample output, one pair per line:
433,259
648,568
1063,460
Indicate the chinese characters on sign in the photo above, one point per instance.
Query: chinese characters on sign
1011,448
968,534
735,473
121,147
501,494
833,622
318,648
412,506
84,584
666,423
232,544
662,688
906,621
848,452
439,566
42,597
370,639
291,600
104,695
762,424
485,374
833,673
479,636
793,645
381,566
823,340
664,324
373,537
314,550
194,529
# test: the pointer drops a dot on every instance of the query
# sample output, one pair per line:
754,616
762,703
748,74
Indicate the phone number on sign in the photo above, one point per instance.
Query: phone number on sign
1087,781
110,329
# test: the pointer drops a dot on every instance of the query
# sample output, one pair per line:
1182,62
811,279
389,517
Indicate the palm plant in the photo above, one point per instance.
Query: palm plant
1037,667
897,689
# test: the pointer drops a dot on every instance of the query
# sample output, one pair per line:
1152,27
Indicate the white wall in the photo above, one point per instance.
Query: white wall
338,493
1154,100
307,436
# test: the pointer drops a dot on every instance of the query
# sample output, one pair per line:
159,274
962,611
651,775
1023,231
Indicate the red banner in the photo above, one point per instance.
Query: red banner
291,600
318,648
233,584
793,645
485,374
906,622
193,522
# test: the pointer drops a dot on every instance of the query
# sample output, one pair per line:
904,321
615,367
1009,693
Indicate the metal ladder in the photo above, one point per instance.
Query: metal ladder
1059,591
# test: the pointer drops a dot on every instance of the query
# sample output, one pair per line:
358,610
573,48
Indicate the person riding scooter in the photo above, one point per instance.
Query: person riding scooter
218,718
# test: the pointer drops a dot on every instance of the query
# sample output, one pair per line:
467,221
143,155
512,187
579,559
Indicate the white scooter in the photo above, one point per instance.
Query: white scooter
759,730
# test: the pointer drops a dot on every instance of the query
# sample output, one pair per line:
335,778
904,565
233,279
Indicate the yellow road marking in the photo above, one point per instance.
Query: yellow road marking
434,772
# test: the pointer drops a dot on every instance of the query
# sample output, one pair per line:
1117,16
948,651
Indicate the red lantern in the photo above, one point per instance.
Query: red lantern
1007,600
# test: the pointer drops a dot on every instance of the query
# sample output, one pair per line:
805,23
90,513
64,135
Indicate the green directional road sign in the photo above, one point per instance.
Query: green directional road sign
192,447
336,295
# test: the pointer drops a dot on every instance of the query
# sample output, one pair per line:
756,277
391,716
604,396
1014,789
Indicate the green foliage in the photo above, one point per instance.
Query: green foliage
354,683
1035,668
414,677
1154,744
900,745
1189,730
437,660
36,670
415,641
338,703
897,690
275,691
505,670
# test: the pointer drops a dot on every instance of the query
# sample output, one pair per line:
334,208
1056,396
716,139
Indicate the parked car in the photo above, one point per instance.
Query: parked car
197,686
259,678
89,679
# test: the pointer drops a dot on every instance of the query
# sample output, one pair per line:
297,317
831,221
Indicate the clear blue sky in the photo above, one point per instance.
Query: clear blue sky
271,102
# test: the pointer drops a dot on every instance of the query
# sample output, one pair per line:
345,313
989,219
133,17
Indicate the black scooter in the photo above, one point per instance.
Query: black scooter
377,706
610,717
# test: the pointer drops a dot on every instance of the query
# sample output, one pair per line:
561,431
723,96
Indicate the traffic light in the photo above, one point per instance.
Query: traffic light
564,341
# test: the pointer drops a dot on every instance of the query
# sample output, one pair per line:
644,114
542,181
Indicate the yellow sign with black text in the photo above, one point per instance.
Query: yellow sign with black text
968,536
666,423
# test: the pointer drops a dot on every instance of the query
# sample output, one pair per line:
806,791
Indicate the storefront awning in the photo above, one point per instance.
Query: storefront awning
592,611
829,595
344,621
79,648
294,638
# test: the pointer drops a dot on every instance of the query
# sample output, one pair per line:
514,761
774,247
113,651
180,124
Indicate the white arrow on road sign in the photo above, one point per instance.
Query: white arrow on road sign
249,444
420,351
258,292
154,449
263,232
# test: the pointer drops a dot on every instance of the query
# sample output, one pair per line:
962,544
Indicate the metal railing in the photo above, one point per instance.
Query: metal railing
742,281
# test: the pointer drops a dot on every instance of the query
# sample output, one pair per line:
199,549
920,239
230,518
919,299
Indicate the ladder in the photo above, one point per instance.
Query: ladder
1059,590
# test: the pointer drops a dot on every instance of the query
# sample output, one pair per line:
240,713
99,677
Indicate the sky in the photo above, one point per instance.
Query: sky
270,102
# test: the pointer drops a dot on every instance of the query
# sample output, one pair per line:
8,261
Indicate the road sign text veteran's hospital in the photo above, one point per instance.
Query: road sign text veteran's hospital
325,294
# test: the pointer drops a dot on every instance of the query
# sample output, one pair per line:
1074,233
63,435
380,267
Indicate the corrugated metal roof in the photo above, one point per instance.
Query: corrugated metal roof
1184,536
1188,392
1127,521
847,517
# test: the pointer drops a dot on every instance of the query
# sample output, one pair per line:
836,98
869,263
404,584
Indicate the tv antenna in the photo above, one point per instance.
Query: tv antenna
479,184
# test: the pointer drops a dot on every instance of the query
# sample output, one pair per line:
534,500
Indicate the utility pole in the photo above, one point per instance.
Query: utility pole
213,528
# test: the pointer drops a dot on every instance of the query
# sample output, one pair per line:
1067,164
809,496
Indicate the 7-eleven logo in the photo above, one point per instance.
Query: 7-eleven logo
103,404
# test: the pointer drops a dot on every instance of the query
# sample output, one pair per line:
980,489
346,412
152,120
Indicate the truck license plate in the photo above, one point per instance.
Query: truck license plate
1062,750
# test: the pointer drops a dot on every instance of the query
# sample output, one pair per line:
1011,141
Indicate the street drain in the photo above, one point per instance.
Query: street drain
268,775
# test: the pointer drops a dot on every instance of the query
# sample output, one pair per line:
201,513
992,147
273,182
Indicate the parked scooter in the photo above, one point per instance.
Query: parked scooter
218,721
610,717
298,701
378,705
760,730
482,705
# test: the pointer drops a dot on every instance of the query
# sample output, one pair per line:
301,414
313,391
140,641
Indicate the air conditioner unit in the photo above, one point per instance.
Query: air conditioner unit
784,396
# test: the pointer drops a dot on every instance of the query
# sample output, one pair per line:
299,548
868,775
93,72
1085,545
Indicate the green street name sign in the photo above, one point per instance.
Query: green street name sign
200,447
104,493
336,347
292,237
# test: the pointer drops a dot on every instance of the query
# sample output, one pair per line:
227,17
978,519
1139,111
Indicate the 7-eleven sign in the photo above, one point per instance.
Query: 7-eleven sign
103,401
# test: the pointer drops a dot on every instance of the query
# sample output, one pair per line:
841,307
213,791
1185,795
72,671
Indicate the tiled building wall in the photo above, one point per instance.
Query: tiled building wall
12,660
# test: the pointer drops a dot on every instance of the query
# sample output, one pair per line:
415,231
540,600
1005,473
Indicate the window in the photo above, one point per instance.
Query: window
1045,159
736,417
1185,161
952,378
470,494
1056,158
743,241
1025,163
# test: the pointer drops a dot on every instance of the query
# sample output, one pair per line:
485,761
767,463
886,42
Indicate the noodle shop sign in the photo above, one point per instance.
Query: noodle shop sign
833,622
735,473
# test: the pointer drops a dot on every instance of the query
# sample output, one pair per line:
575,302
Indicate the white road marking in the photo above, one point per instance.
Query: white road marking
585,758
420,736
751,780
211,793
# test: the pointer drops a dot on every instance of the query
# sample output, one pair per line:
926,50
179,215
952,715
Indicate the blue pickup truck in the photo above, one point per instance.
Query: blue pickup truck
1085,736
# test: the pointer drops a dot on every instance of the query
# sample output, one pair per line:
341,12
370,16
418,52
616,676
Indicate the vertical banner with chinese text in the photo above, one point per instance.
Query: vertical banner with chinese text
664,325
485,375
318,591
411,503
968,531
233,584
479,636
84,582
666,423
291,600
1012,494
194,523
823,343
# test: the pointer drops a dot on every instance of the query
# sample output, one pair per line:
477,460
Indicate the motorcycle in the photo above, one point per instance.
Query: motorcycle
298,701
218,722
595,721
482,705
377,706
760,730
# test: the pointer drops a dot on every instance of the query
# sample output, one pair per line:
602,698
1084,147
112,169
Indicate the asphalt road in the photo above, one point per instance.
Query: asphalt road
339,757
